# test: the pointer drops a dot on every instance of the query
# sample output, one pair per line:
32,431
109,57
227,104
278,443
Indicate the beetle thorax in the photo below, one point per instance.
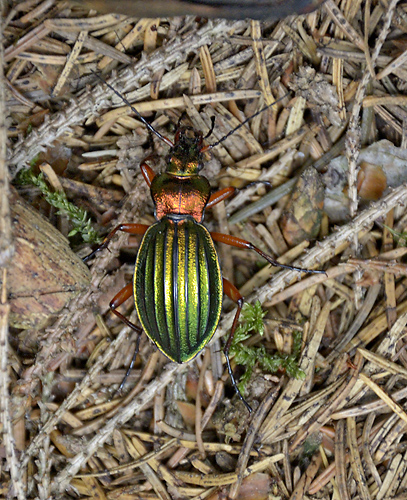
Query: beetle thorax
178,195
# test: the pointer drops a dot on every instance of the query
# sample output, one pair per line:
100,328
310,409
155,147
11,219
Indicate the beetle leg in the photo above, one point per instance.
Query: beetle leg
233,293
218,196
239,243
121,297
147,171
127,228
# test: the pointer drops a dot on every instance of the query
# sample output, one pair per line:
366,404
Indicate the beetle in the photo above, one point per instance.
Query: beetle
178,285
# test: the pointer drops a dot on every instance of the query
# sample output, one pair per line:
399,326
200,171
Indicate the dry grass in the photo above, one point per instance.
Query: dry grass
177,431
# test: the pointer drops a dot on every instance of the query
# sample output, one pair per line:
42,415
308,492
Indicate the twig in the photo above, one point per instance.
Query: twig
6,252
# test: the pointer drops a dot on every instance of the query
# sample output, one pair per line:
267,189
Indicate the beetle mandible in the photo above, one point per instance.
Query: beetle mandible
178,285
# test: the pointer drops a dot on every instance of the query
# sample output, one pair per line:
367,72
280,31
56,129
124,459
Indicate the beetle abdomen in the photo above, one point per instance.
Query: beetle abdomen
178,287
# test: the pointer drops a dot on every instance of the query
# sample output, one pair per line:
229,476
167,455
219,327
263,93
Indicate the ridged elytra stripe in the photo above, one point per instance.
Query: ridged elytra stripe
203,286
178,287
158,292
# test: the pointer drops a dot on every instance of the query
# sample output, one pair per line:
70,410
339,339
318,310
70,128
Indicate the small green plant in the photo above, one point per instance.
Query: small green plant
252,320
401,238
78,217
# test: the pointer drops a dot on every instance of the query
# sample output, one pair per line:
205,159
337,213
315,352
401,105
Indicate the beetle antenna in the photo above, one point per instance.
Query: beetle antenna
139,116
211,129
211,146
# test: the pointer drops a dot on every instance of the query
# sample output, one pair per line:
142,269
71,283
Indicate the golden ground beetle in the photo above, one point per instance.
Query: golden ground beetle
178,285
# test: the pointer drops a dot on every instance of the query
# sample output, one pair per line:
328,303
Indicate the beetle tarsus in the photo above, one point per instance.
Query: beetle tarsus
121,297
285,266
233,293
102,246
234,384
131,365
92,254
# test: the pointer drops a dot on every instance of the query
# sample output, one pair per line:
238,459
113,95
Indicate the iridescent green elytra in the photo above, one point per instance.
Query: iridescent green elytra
178,287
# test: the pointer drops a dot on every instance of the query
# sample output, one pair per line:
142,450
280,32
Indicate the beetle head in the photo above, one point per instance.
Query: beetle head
185,157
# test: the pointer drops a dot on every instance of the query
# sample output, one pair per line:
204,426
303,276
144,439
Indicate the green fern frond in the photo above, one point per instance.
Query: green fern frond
248,356
81,223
